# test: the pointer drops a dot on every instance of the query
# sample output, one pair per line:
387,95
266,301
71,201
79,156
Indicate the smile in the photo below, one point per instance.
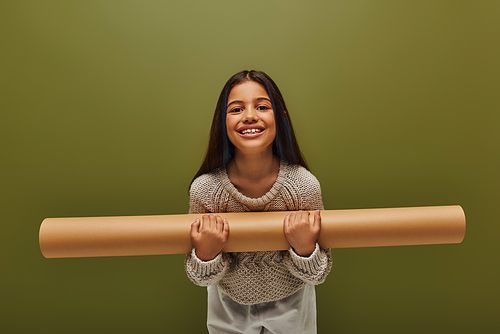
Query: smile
251,131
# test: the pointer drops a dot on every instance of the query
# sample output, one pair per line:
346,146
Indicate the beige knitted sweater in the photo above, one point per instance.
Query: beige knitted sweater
256,277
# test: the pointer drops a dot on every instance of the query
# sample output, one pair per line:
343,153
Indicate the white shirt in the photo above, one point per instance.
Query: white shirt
293,314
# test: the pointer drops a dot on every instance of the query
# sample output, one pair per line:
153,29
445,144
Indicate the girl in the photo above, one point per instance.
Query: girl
253,163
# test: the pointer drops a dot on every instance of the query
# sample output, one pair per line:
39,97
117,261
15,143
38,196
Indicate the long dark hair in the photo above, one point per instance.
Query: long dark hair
220,149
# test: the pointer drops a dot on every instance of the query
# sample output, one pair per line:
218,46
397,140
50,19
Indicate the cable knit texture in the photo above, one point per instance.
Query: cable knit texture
256,277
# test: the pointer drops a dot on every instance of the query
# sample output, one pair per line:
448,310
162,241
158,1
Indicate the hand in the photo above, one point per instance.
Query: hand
209,239
301,234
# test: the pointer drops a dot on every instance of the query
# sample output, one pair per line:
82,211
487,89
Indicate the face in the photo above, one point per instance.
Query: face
250,118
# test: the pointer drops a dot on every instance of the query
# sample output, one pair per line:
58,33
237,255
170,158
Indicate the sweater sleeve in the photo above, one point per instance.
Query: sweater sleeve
314,268
203,273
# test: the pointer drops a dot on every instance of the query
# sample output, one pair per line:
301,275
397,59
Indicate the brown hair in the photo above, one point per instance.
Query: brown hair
220,149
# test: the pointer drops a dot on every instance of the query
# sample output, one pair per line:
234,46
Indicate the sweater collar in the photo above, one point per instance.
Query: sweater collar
256,204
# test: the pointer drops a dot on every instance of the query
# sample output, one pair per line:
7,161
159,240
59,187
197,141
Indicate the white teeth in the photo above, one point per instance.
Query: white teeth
248,131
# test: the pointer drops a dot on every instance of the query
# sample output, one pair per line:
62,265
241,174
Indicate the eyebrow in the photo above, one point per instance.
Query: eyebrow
257,99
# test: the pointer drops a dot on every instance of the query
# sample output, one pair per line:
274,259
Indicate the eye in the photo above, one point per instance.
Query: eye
235,110
263,107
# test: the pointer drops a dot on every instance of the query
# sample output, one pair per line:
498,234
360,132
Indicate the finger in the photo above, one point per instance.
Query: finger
225,231
317,219
213,222
204,222
286,223
195,228
304,217
287,219
218,224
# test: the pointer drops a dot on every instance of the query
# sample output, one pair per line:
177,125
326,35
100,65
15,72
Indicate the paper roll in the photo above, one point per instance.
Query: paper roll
249,231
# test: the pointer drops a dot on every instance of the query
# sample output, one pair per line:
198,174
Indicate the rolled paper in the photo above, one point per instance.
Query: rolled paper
249,231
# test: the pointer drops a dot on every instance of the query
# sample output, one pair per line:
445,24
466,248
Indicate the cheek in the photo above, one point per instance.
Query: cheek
272,124
228,125
273,134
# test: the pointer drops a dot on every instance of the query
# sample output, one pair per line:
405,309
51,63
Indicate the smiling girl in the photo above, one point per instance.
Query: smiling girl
253,163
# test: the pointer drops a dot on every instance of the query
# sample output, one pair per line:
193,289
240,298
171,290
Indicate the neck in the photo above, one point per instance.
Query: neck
253,166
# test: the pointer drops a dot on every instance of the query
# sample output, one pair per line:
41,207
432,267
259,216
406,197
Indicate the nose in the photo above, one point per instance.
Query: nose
250,116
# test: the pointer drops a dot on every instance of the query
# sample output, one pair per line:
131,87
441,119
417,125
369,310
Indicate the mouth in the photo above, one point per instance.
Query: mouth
250,131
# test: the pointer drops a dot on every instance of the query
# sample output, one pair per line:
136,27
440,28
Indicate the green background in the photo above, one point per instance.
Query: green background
106,107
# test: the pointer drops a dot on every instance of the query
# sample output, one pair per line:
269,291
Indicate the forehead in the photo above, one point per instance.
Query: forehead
247,91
